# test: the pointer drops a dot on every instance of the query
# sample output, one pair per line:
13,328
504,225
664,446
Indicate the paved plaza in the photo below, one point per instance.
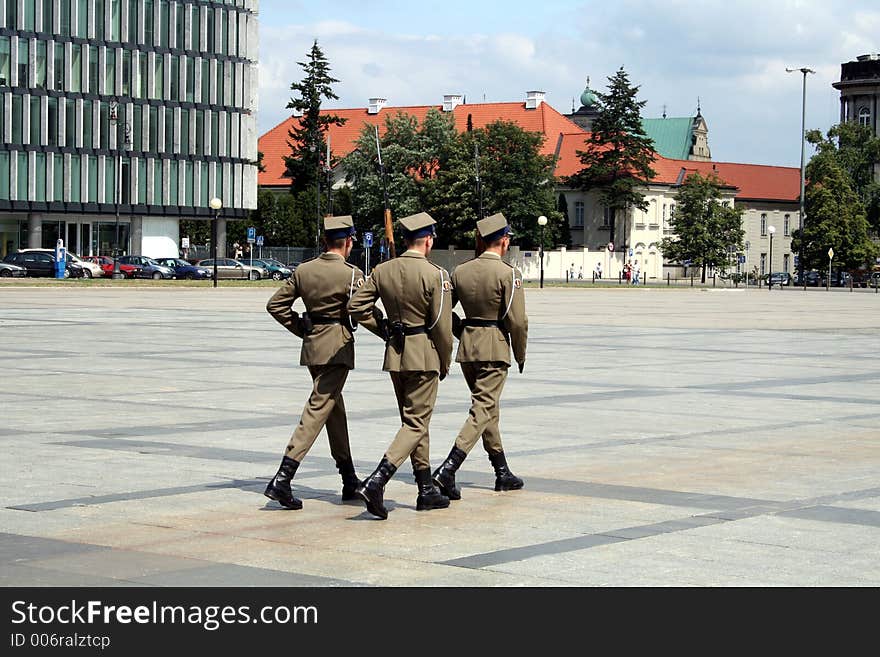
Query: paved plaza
667,437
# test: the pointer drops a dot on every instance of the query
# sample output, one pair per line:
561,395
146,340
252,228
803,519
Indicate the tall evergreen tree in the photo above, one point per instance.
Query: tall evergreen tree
619,154
706,230
304,166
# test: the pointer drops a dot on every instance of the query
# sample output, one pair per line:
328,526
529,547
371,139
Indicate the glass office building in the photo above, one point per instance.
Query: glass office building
123,117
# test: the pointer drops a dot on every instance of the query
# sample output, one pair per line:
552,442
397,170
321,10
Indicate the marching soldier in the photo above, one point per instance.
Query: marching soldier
491,295
417,297
325,285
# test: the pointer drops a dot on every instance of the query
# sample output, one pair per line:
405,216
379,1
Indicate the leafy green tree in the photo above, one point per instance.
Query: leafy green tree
516,180
282,219
619,154
858,151
412,154
305,165
835,214
705,229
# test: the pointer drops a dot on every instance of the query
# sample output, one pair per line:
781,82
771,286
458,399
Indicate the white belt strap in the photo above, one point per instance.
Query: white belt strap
439,312
512,291
350,294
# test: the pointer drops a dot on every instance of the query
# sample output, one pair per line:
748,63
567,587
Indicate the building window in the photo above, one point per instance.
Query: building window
785,262
786,226
4,61
40,81
23,63
65,17
763,264
607,213
865,116
35,121
664,216
52,120
58,67
579,213
763,224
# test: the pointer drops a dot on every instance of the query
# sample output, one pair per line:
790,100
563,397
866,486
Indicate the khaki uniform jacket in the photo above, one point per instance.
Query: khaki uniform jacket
416,292
489,288
325,285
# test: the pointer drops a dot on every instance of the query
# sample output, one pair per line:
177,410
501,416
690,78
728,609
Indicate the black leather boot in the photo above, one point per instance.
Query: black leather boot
372,490
444,476
504,478
350,482
279,488
429,497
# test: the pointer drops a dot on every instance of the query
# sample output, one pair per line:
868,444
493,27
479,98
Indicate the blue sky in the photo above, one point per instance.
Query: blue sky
730,54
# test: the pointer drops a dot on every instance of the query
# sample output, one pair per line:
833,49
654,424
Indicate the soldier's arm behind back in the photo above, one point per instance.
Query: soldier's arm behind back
362,304
280,306
373,321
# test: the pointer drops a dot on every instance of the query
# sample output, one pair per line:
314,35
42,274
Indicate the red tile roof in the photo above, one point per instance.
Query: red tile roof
543,119
754,181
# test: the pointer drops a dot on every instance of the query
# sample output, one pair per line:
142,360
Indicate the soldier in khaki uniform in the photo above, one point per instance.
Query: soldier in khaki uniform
417,297
325,285
491,294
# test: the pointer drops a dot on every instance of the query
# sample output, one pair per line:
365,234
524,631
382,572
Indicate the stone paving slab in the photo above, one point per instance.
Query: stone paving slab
666,437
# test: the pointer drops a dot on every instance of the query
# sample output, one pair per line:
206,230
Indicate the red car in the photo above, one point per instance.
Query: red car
106,263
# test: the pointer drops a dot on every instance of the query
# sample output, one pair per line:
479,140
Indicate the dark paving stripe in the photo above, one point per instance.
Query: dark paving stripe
16,547
837,514
236,575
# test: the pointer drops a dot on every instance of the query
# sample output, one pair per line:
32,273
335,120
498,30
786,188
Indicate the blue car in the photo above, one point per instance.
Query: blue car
183,269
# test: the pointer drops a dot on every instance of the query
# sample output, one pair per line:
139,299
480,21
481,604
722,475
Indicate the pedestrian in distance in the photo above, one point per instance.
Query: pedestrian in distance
636,273
325,284
598,270
491,295
417,297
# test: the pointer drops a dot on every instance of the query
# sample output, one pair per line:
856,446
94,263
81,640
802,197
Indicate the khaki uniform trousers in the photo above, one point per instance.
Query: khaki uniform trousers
416,393
486,381
324,407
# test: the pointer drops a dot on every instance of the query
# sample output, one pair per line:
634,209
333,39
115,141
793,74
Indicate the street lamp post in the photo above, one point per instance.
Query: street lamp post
216,204
771,230
542,221
804,70
126,144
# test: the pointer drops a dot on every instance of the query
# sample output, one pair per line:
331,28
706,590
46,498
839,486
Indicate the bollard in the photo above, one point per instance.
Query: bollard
668,283
713,280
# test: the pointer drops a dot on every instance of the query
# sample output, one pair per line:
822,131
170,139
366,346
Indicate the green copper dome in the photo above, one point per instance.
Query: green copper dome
588,98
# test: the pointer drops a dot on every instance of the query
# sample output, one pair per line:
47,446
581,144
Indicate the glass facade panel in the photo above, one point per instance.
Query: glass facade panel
115,19
75,67
4,175
48,15
65,17
126,72
164,22
148,22
17,120
58,177
154,129
175,78
190,79
200,132
159,77
209,47
93,69
35,122
188,184
110,180
169,130
58,67
173,183
75,175
40,178
143,61
88,135
99,19
158,185
23,63
182,10
23,177
52,122
110,71
184,131
11,14
206,81
93,179
142,180
82,19
69,122
29,15
105,125
5,60
137,130
40,73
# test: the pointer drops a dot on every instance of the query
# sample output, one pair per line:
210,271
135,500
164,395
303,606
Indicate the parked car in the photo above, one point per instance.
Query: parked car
229,268
277,270
840,278
106,264
147,267
42,263
874,281
90,269
182,269
779,278
8,270
812,278
861,278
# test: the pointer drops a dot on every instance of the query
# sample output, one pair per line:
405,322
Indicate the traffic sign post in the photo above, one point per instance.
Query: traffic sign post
260,244
251,235
830,258
368,242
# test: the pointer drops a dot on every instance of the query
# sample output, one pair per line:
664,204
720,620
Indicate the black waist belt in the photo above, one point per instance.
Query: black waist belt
483,322
317,319
414,330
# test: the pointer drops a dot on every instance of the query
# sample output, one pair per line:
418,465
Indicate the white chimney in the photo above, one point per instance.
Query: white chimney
451,101
533,99
375,105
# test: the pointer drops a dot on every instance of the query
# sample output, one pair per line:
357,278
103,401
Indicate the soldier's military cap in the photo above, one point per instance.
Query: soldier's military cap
336,228
493,228
418,225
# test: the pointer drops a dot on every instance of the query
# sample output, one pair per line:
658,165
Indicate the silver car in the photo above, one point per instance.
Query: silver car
228,268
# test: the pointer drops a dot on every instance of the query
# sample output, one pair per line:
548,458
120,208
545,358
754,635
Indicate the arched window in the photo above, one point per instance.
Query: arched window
864,116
